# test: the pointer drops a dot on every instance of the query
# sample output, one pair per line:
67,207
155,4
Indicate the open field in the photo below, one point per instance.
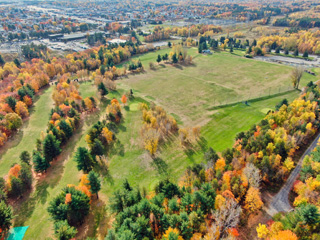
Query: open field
139,168
221,78
128,159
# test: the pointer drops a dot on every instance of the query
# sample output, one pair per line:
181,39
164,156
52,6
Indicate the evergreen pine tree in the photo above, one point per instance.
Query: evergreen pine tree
25,175
16,189
39,163
159,59
25,157
16,62
174,58
97,148
84,160
51,147
103,90
66,128
95,183
2,62
63,231
6,216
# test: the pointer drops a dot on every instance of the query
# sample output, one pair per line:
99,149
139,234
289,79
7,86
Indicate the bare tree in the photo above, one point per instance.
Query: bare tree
253,175
296,76
228,216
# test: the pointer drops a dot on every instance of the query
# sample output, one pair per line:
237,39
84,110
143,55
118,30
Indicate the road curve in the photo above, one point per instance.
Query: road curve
280,202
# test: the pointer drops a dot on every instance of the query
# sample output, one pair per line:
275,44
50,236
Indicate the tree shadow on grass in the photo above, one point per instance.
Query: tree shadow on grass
24,211
203,143
117,149
91,118
95,223
108,178
122,127
161,166
178,66
170,139
104,102
192,64
120,149
24,207
55,172
190,152
41,193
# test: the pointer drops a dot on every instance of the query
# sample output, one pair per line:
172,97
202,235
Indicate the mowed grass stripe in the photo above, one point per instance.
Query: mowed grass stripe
188,90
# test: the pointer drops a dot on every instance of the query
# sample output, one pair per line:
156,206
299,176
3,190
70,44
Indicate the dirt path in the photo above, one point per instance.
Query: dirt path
280,202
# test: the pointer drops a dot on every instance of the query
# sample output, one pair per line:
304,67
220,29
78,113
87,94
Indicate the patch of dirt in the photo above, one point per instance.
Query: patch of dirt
146,161
133,142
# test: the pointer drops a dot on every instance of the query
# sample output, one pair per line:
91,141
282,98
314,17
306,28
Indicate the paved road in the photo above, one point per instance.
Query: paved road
290,61
280,202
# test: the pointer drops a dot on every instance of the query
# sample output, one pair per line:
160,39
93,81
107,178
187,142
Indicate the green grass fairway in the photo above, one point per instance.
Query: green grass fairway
25,139
220,78
62,172
129,160
140,169
186,92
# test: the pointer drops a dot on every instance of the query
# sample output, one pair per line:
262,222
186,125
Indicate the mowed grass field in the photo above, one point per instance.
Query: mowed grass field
128,159
220,78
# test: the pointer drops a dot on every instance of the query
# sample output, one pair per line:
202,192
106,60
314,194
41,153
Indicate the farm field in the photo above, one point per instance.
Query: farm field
220,78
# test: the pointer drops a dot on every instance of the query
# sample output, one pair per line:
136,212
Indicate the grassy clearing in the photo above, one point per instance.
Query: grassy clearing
227,122
146,58
25,138
133,163
128,159
189,91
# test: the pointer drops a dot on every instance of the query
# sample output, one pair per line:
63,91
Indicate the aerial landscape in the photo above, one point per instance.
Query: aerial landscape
167,120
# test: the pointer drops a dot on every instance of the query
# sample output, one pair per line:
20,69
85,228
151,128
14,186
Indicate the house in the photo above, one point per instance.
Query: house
117,41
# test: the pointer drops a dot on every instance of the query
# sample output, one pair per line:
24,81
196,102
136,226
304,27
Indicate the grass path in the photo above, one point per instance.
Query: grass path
25,138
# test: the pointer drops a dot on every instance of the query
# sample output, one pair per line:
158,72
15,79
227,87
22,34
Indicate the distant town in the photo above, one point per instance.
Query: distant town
80,25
